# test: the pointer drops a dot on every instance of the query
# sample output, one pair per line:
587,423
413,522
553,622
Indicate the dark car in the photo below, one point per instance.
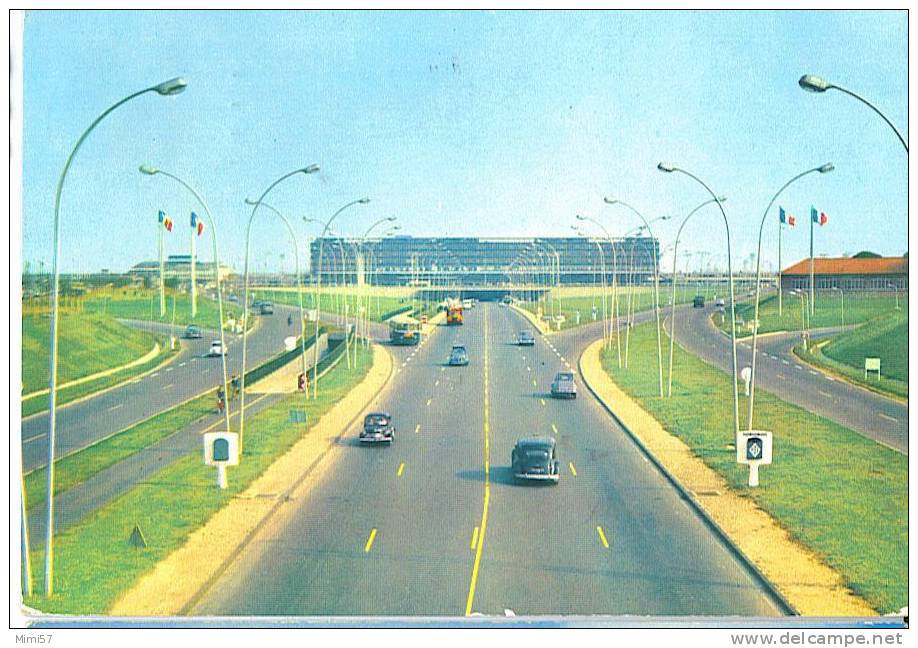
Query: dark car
525,338
698,302
266,308
377,428
536,459
563,386
458,357
193,332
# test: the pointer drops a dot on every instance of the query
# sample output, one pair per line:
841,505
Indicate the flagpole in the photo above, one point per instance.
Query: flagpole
812,265
194,282
780,229
162,282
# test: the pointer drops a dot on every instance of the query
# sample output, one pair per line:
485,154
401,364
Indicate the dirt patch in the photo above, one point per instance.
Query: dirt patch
810,585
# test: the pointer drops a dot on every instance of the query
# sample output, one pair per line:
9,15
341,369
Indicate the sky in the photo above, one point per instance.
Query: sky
476,123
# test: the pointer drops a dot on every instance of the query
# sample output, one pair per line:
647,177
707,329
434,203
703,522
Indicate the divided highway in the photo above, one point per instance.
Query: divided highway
434,524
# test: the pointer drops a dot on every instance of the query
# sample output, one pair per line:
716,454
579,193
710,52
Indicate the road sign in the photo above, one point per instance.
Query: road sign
221,449
753,448
746,375
289,343
871,364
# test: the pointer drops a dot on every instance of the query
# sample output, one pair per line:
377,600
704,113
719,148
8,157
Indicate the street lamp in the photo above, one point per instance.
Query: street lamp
307,170
613,314
669,168
895,288
802,295
167,88
813,83
656,282
842,293
327,225
606,335
672,311
366,317
825,168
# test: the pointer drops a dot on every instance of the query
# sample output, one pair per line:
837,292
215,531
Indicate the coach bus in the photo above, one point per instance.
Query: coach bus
404,330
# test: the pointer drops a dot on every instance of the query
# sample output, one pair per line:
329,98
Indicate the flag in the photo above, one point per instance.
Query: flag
200,227
784,217
162,215
818,216
167,223
791,220
814,215
197,224
823,219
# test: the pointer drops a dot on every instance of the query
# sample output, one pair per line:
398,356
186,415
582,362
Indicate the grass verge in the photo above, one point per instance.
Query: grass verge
885,386
94,561
641,300
857,310
840,494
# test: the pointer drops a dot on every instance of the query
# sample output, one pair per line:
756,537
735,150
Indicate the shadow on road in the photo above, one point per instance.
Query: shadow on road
499,475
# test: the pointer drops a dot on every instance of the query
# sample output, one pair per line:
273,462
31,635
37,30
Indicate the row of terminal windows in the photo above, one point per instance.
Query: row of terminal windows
852,283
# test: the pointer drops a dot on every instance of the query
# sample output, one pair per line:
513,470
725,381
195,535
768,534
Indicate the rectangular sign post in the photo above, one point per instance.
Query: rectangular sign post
753,447
221,449
871,364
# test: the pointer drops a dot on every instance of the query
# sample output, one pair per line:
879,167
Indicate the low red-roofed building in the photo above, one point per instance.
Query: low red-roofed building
878,274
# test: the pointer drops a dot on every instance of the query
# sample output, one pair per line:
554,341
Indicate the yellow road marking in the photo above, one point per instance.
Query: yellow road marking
401,469
602,537
428,400
487,484
474,538
542,400
369,544
534,383
417,428
570,464
554,428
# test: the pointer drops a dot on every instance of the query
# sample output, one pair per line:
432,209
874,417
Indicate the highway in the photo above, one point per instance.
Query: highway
434,524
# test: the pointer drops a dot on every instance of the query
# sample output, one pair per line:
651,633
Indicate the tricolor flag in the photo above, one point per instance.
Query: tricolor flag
789,219
818,216
197,224
165,220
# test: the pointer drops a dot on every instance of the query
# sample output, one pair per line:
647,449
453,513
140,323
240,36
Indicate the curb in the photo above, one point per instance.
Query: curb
901,400
782,603
533,320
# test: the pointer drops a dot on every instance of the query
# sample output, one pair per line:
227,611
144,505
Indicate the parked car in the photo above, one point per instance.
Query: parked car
563,386
525,338
458,356
216,349
698,302
193,332
377,428
536,459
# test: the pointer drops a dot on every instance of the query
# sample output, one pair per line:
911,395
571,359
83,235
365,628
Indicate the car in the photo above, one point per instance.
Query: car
507,300
193,332
216,349
525,338
458,356
468,304
536,459
233,298
564,386
698,301
266,308
377,428
719,303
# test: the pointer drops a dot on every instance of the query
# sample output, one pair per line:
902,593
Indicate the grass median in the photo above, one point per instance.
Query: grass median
830,307
586,305
840,494
94,562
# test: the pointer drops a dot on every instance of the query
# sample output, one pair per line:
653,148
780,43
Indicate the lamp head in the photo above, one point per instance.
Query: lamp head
666,166
364,201
813,83
721,199
249,201
825,168
312,168
609,200
580,217
146,169
392,219
171,87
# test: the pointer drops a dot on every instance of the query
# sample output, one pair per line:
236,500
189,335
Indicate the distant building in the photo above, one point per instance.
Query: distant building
178,266
881,274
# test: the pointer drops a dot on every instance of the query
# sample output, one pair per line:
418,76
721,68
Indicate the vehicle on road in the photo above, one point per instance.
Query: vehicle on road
507,300
468,304
404,330
266,308
216,349
233,298
193,332
719,303
525,338
536,459
564,386
458,357
698,302
454,315
377,428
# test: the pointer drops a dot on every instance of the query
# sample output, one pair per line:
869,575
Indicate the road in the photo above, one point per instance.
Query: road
780,372
434,524
191,373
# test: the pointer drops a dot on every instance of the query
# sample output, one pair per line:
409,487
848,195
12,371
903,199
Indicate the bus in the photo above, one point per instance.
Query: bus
404,330
454,315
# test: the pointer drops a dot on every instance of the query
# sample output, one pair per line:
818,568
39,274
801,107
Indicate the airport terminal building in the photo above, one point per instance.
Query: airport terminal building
849,274
408,260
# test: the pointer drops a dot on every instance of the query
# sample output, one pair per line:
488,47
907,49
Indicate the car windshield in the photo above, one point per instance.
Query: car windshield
565,376
535,455
376,419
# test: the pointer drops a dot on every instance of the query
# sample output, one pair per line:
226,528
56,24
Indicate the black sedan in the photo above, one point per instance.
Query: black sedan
458,357
377,428
536,459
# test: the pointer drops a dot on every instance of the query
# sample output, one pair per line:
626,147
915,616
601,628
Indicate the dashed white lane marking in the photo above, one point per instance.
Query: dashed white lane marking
169,386
785,361
154,375
889,418
528,368
182,364
798,367
193,360
403,364
169,368
826,394
829,378
554,428
114,407
562,359
436,383
815,373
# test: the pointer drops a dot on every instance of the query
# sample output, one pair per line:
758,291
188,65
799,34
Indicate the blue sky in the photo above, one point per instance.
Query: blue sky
462,124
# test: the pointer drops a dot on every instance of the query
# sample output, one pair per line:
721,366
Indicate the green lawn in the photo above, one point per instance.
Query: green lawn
641,300
89,343
95,564
838,493
379,305
884,337
858,309
144,305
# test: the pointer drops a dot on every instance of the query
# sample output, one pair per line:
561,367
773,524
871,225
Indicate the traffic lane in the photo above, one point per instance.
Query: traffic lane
785,376
317,558
546,551
93,419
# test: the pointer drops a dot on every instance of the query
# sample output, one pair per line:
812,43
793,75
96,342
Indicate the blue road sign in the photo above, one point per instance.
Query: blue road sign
754,448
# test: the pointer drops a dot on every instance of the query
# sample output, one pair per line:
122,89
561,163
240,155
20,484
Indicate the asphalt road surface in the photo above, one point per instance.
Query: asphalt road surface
434,524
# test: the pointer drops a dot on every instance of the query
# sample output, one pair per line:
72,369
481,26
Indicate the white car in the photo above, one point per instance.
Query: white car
216,349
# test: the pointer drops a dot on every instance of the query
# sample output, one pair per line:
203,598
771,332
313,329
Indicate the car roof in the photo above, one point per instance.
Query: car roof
565,373
536,442
386,414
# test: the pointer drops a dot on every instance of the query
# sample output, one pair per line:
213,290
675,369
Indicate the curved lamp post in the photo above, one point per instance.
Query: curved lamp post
312,168
825,168
167,88
613,312
656,282
606,335
672,311
669,168
366,317
326,226
813,83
